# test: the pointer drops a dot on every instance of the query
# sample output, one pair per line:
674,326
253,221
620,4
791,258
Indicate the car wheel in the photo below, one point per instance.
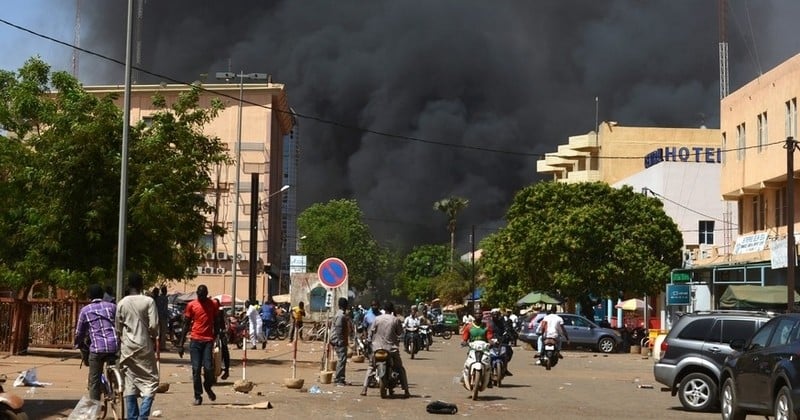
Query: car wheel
730,410
784,407
697,392
606,345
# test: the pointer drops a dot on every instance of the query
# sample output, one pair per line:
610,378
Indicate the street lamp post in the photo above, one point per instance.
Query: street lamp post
253,248
241,76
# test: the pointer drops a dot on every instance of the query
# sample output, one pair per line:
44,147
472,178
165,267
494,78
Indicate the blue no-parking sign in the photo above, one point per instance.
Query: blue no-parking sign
332,272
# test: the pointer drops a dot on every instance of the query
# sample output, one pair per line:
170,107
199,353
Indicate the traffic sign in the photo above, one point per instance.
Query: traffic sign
332,272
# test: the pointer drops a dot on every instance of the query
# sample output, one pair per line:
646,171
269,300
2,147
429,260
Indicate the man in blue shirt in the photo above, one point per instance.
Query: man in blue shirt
96,322
372,313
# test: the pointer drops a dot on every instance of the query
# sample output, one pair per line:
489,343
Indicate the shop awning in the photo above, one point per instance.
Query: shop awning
755,297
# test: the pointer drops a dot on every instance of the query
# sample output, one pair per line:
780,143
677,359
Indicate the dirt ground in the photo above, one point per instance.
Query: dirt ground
584,384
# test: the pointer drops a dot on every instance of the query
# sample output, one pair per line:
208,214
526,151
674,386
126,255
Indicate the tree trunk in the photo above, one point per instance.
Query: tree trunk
452,248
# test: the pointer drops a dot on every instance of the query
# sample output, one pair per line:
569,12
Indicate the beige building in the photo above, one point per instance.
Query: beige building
616,152
265,121
755,122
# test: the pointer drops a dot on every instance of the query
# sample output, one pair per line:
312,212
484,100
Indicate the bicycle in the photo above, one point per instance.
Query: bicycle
111,399
314,332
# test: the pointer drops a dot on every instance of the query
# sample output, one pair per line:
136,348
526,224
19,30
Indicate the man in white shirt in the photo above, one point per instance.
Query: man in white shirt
411,321
552,326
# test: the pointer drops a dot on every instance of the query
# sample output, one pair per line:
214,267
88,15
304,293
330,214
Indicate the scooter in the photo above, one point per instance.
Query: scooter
549,356
412,341
426,339
498,356
477,368
10,404
441,330
386,374
237,331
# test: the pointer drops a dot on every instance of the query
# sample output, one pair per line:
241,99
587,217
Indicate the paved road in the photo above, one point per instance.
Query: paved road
584,384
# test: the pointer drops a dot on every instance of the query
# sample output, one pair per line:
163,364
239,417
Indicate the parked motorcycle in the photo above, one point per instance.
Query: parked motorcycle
386,374
413,342
477,368
279,330
549,356
425,337
10,404
499,359
441,330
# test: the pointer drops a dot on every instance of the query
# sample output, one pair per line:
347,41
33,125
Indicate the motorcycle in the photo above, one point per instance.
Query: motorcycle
549,356
499,360
279,330
440,330
237,331
386,374
426,339
413,342
477,368
11,404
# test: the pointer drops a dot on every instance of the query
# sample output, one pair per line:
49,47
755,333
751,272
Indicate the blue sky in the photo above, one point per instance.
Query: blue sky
54,18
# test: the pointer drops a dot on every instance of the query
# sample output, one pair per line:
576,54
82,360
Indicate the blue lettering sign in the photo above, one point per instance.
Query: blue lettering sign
669,154
683,154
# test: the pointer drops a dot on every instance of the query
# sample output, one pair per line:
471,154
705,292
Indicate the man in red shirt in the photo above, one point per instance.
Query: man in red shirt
201,313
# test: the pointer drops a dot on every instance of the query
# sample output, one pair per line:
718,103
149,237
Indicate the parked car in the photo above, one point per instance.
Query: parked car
694,350
582,333
763,376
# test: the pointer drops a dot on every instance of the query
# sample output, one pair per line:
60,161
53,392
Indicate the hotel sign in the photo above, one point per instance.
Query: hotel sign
683,154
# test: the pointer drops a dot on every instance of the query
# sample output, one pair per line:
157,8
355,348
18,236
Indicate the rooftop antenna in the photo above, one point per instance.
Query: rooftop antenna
76,41
139,18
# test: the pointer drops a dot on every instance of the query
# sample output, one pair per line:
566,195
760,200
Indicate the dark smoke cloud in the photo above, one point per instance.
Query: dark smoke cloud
513,75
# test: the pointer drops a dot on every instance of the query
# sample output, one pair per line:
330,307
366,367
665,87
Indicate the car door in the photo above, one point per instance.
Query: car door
748,378
578,329
717,345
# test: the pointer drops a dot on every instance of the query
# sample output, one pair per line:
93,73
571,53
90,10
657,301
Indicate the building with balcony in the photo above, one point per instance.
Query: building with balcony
265,122
615,152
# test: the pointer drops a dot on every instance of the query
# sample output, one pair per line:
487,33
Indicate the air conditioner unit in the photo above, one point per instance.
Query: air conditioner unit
240,257
210,256
198,270
220,270
208,270
221,256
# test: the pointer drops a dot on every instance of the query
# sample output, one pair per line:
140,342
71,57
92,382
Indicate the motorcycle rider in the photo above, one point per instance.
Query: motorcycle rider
552,326
501,331
476,330
411,321
384,333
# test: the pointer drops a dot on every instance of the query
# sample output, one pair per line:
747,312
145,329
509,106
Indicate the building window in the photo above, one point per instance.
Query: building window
762,131
791,118
759,212
781,207
741,141
706,229
724,147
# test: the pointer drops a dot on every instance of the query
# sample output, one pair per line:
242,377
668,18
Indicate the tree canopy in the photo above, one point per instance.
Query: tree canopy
580,239
419,270
336,229
60,155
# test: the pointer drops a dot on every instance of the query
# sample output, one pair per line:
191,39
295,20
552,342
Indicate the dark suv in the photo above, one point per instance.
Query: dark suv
763,377
693,353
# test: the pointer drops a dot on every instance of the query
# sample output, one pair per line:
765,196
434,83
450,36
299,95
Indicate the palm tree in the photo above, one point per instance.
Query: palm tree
450,207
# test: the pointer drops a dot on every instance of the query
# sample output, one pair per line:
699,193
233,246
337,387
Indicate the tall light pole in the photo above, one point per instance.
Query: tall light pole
123,179
241,76
253,243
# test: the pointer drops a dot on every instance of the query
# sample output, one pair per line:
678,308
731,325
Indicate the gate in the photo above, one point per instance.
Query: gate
38,323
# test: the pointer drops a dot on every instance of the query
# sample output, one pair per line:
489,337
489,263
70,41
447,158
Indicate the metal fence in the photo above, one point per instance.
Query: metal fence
50,324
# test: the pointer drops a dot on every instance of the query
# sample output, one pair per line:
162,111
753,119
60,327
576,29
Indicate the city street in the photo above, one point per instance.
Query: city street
584,384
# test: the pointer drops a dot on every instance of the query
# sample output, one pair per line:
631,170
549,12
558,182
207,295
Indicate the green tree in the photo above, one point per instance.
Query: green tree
60,171
580,239
336,229
452,286
419,270
451,206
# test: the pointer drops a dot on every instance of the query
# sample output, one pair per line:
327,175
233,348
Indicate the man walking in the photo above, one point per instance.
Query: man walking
200,315
162,305
137,324
96,322
267,319
340,332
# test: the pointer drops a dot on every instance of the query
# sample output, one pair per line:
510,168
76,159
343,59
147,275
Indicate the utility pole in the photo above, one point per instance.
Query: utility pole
791,246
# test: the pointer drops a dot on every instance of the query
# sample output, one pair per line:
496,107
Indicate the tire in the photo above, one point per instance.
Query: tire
281,332
476,378
697,392
784,407
548,364
729,408
413,349
446,334
606,345
382,387
308,334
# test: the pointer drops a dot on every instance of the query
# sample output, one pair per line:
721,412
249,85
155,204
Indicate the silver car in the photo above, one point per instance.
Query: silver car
582,332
